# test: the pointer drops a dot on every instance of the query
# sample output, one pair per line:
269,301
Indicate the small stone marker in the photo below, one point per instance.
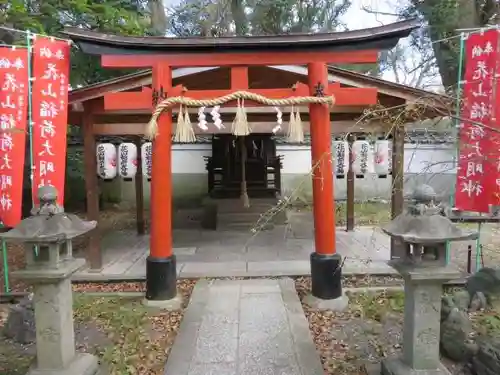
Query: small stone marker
424,233
47,237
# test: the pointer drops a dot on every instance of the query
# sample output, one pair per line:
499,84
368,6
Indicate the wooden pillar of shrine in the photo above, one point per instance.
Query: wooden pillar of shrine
161,270
397,191
94,256
139,191
325,263
350,221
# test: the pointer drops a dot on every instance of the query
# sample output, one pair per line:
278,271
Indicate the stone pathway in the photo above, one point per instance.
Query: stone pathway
244,327
239,254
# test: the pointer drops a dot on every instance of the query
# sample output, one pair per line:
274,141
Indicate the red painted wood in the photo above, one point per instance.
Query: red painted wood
142,100
239,78
161,174
228,59
323,192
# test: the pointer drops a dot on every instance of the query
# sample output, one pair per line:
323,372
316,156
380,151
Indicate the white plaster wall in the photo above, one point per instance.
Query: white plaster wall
431,164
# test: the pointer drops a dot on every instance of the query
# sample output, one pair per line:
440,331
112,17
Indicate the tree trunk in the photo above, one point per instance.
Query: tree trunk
158,17
240,20
444,18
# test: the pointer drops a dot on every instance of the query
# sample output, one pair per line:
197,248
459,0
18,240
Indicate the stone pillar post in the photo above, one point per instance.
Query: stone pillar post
53,303
422,317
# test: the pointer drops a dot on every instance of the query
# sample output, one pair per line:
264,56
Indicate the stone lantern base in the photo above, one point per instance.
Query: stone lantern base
82,364
422,317
53,304
396,366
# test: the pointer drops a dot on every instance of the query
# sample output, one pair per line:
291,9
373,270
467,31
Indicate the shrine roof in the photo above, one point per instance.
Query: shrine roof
375,38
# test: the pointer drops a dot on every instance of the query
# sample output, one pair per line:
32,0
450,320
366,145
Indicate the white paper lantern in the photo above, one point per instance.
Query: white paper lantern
340,157
106,161
127,160
361,154
147,159
381,157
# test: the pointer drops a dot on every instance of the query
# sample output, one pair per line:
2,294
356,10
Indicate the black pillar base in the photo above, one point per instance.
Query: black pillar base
326,276
161,278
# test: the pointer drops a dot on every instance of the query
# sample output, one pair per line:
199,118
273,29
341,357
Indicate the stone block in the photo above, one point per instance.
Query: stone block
20,324
336,304
54,324
421,330
81,364
398,367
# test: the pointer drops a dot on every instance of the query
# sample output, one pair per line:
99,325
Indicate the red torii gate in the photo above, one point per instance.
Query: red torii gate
314,50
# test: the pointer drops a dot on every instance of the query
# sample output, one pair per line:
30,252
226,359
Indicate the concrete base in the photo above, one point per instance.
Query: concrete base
336,304
395,366
83,364
169,304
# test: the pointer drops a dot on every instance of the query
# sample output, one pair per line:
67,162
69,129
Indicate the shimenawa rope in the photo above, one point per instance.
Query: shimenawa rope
240,124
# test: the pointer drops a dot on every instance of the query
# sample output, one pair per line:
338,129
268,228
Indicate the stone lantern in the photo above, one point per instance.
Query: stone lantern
47,239
423,231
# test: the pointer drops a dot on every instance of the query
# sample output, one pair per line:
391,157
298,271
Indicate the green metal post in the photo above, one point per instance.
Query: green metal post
457,125
30,116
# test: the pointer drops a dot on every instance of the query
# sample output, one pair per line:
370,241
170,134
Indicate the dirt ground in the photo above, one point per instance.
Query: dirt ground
371,329
129,338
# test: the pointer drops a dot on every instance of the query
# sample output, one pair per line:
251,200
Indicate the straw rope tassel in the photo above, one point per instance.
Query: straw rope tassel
190,137
291,124
244,192
240,123
295,131
184,132
299,130
180,124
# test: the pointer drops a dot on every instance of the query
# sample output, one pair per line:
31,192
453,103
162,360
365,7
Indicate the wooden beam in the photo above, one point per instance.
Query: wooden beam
142,100
94,255
239,78
337,127
397,191
231,59
350,212
139,192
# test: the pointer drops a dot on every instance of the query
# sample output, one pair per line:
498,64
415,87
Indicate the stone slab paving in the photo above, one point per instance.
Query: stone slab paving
244,327
239,253
276,252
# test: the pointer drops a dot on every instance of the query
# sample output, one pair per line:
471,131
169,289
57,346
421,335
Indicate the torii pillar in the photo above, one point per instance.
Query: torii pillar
161,268
326,264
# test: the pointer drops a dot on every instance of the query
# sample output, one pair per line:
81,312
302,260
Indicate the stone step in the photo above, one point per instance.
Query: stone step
236,205
247,227
238,217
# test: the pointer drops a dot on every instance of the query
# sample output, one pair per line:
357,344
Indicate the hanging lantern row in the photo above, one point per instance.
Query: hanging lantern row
365,158
112,162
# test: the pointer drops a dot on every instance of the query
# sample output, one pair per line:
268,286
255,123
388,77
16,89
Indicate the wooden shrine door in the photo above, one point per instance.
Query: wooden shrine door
225,165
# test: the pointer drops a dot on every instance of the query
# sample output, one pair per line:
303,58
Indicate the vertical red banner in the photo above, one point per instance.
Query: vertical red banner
50,113
495,168
477,141
13,111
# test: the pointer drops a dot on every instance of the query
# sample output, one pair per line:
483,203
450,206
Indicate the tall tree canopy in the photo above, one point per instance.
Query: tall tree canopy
259,17
443,19
255,17
126,17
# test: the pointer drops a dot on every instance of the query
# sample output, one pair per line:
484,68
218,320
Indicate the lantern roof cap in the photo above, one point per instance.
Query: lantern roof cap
48,223
423,222
375,38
